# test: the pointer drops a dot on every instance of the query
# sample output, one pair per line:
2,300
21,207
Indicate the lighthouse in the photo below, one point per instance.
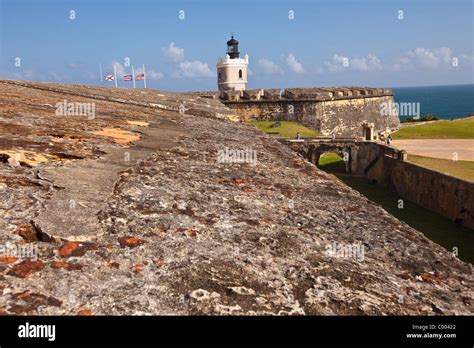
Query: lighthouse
232,70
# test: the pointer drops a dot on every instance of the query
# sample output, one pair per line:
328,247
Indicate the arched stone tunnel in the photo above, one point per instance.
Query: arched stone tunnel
312,150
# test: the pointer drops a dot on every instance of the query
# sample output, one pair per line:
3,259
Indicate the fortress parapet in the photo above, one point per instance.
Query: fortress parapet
308,93
272,94
231,95
314,94
252,94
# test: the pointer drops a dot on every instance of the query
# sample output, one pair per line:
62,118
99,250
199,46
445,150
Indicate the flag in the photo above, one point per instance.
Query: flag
128,77
140,77
109,78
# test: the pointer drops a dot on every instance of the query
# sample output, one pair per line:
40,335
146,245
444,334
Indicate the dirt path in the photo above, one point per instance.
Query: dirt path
438,148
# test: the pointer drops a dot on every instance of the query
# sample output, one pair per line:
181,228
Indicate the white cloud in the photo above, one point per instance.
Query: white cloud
444,53
194,68
338,63
174,53
424,58
294,64
186,68
269,67
369,63
418,58
154,75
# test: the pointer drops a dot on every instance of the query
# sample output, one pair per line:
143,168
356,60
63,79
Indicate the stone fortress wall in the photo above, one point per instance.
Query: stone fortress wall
444,194
339,110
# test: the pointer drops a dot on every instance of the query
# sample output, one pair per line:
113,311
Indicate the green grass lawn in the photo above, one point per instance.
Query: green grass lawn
437,228
457,129
460,169
332,162
287,128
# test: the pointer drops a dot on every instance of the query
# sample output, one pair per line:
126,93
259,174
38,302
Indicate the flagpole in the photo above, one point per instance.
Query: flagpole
133,76
115,76
100,65
144,76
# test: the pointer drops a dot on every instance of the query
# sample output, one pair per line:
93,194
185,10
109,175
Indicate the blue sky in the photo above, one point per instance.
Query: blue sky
327,43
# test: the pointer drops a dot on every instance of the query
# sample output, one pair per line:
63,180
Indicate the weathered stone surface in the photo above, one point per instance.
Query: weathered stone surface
231,95
130,242
70,266
27,302
271,93
220,238
75,249
252,94
8,259
25,268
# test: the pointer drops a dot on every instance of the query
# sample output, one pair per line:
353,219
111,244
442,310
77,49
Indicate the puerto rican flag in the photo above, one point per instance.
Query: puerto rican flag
140,77
109,78
128,77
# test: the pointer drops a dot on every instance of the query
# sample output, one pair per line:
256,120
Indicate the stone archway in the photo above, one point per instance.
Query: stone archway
311,150
345,156
346,151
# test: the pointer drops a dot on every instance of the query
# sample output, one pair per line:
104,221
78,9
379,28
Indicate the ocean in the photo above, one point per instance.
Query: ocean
440,101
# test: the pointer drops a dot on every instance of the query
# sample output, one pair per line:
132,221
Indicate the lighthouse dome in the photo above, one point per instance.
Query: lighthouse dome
232,41
233,48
